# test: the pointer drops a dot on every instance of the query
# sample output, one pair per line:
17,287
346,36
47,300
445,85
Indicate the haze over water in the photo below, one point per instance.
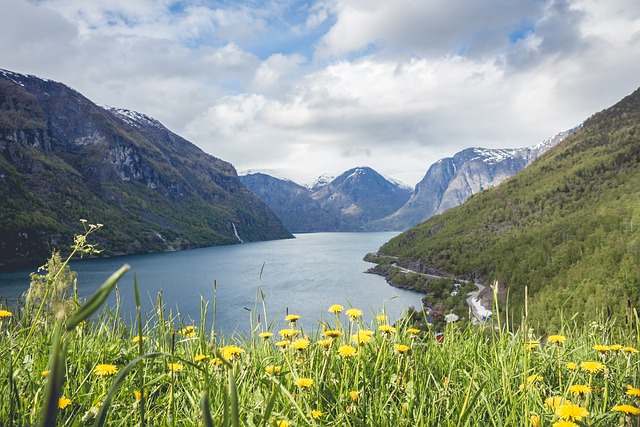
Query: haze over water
304,275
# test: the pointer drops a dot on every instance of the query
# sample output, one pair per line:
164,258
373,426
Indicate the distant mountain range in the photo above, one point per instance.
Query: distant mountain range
346,203
64,158
363,200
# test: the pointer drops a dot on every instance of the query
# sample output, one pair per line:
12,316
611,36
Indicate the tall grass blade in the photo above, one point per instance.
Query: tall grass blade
204,407
233,399
140,351
49,409
97,299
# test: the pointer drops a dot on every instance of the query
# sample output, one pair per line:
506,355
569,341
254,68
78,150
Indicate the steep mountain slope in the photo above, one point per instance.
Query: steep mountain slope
359,196
292,203
63,158
346,203
566,227
452,180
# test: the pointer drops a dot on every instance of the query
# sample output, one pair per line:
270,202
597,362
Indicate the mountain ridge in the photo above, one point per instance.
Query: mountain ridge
63,158
345,203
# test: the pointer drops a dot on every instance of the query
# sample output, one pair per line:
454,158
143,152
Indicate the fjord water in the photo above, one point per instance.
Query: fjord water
304,275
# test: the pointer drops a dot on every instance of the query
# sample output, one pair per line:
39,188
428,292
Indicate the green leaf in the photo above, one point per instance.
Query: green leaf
97,299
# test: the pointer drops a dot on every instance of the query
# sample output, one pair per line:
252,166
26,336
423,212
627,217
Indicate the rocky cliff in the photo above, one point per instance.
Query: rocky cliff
452,180
63,158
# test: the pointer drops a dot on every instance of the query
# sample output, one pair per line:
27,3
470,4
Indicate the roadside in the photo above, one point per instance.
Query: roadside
434,287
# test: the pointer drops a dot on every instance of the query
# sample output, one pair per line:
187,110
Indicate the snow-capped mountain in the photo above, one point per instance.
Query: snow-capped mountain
452,180
346,203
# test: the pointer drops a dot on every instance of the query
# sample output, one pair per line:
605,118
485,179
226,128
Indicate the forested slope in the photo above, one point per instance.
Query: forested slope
567,227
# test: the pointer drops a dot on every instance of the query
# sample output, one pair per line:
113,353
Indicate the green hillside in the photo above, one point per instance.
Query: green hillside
64,158
567,227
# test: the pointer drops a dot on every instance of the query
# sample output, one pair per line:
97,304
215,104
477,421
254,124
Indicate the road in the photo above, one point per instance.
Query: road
480,313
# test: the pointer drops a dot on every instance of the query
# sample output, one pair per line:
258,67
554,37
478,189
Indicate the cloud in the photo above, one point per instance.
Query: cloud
322,86
409,27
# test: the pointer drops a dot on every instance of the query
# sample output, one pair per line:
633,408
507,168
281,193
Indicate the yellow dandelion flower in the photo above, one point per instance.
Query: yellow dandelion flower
535,420
353,313
174,367
271,369
325,343
265,335
601,348
629,350
534,378
616,347
137,394
401,348
386,329
282,344
413,331
627,409
592,367
553,402
288,333
45,372
187,330
332,334
5,313
336,308
137,338
579,389
300,344
564,423
282,423
304,382
231,351
316,413
381,318
532,345
572,366
63,402
346,351
354,395
104,370
362,337
216,361
632,391
556,339
572,412
293,318
200,357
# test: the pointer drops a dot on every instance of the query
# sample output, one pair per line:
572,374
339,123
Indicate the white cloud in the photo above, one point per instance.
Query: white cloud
391,84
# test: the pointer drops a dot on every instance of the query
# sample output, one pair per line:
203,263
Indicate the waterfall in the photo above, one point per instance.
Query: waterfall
235,231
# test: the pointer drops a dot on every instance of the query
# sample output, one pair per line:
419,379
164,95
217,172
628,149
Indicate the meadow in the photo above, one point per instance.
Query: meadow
67,362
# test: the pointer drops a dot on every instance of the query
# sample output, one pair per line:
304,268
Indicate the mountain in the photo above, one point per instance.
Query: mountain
452,180
63,158
564,231
345,203
292,203
359,196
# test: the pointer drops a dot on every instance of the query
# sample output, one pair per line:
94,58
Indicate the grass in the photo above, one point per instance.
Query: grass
84,366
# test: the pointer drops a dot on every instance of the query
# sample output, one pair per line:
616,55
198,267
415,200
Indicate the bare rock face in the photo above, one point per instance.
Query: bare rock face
63,158
452,180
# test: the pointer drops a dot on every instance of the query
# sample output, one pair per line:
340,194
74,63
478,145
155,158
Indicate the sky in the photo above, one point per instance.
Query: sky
303,88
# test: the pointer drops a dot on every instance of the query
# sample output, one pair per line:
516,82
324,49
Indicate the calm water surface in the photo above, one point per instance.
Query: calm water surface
304,275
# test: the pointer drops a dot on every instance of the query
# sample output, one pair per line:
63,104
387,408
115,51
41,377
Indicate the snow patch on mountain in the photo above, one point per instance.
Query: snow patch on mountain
133,117
321,181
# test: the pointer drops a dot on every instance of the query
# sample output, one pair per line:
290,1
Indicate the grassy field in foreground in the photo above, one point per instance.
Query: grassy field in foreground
349,374
71,364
